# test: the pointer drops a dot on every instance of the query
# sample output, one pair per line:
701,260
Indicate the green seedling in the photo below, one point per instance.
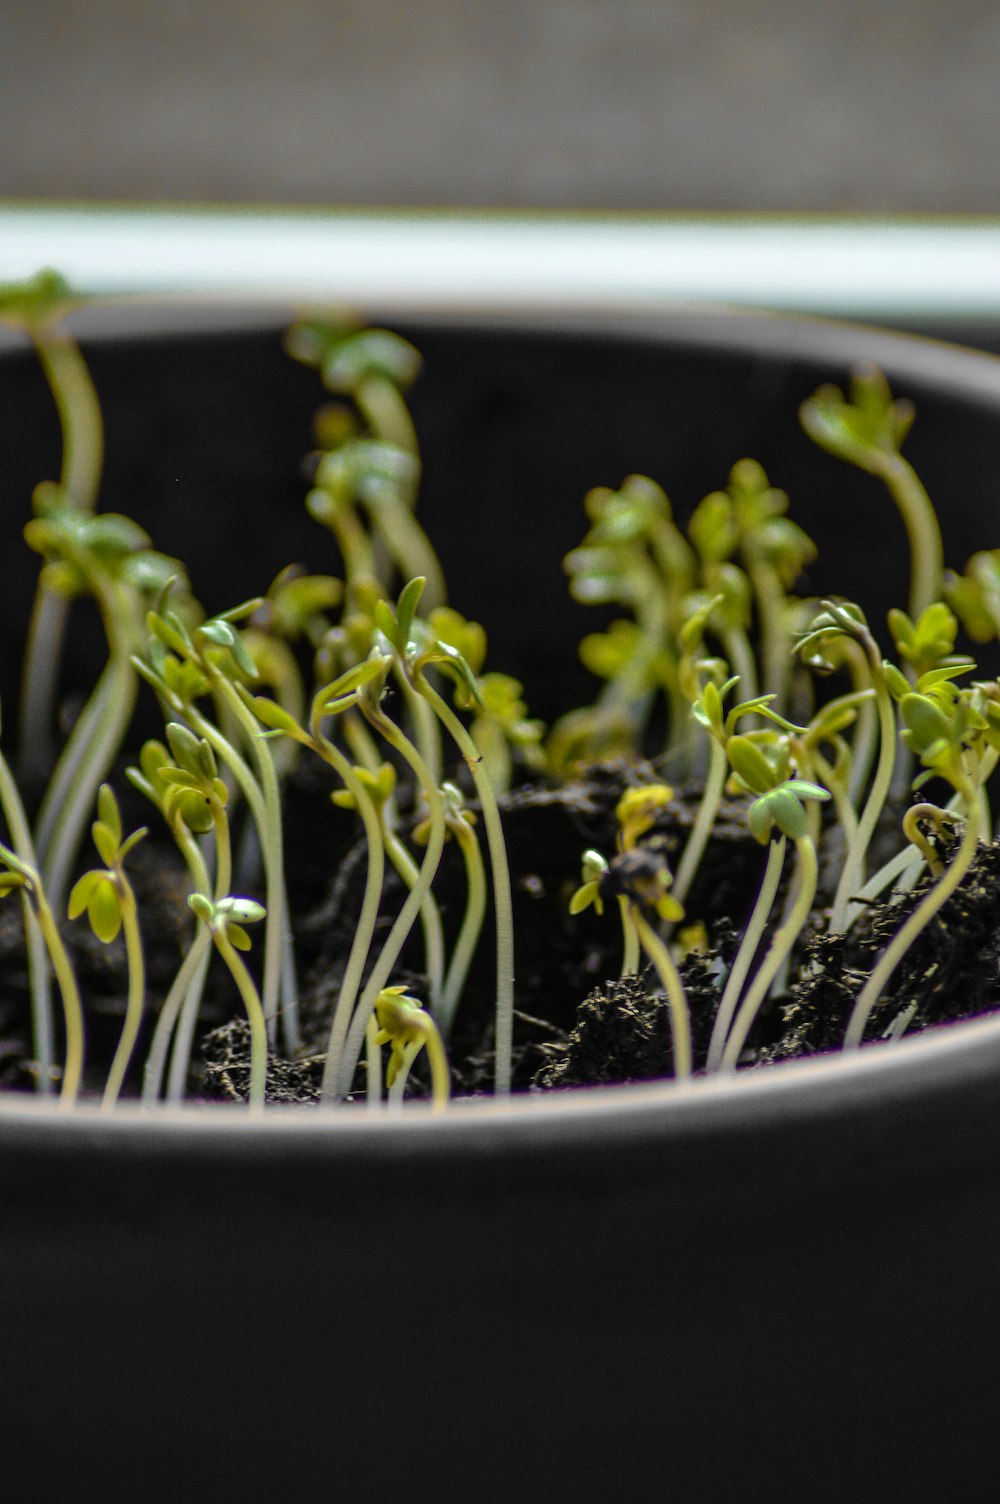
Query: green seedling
408,1028
836,619
183,783
38,306
44,945
748,519
460,824
225,920
867,428
776,815
107,897
337,699
955,740
417,650
640,878
109,557
182,665
396,677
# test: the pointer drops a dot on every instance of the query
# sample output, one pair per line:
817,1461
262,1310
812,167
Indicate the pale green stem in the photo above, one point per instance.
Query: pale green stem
384,409
255,1015
701,830
407,915
82,458
410,548
182,1002
471,928
743,959
39,676
268,821
41,999
425,725
70,994
666,970
373,1064
813,828
440,1075
79,415
365,927
909,931
774,646
88,757
853,874
922,531
398,1088
784,938
630,940
136,993
430,915
629,690
361,743
353,543
501,887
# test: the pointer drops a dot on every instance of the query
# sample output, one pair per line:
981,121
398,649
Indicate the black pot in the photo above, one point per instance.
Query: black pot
780,1287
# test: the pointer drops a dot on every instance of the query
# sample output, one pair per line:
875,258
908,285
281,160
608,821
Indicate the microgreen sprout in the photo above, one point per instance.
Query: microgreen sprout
594,869
777,814
408,1028
867,428
460,823
44,941
37,306
639,875
107,897
225,920
183,783
954,740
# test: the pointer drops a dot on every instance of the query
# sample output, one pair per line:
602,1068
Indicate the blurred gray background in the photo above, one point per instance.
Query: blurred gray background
868,105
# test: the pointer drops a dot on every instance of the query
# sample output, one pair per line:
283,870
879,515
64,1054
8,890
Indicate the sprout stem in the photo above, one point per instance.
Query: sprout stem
917,921
680,1017
501,887
136,993
748,949
784,938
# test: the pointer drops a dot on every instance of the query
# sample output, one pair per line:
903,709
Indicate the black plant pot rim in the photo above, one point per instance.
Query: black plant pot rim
875,1081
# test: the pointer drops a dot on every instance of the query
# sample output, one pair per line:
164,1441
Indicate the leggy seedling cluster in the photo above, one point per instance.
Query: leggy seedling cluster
716,668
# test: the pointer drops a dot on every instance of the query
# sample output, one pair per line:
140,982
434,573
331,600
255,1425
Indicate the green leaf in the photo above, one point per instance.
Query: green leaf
108,813
386,623
36,300
193,807
787,813
805,790
202,907
274,716
170,630
184,746
246,910
406,608
926,721
366,355
237,936
104,910
746,759
104,840
584,896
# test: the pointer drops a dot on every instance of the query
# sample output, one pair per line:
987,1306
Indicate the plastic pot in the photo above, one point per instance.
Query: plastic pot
780,1287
